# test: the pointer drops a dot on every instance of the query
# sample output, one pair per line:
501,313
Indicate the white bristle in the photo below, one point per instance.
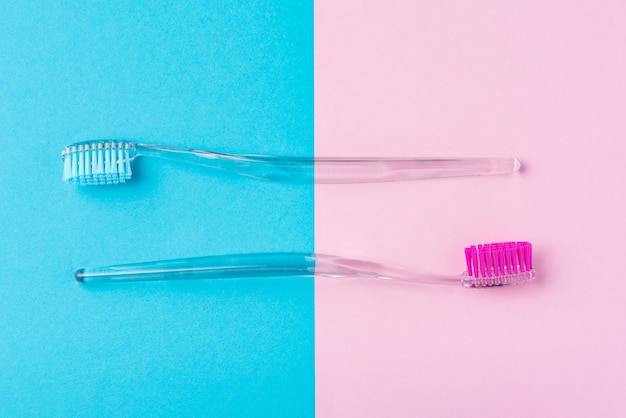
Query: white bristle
107,161
88,162
66,167
98,162
127,168
120,162
73,163
81,161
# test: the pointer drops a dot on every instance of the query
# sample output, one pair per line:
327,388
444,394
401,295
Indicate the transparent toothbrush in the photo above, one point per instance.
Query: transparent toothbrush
488,265
109,162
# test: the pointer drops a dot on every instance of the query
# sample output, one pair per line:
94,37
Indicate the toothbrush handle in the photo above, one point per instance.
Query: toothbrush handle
255,265
375,170
333,266
211,267
335,170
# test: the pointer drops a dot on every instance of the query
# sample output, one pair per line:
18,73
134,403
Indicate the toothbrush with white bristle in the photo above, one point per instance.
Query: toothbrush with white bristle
488,265
109,162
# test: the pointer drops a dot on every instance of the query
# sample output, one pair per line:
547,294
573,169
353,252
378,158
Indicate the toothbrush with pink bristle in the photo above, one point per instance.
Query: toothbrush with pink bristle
488,265
110,162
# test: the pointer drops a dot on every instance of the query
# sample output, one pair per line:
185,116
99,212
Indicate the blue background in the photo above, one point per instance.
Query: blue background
231,76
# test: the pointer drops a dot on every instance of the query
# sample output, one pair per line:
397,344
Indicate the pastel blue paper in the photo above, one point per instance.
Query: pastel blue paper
232,76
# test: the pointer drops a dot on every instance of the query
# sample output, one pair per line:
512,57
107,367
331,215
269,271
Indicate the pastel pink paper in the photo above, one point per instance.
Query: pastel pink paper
541,80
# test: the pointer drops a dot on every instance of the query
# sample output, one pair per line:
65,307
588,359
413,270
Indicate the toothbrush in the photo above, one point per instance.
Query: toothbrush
488,265
109,162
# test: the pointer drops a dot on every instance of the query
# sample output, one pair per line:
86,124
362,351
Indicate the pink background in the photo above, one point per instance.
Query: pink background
541,80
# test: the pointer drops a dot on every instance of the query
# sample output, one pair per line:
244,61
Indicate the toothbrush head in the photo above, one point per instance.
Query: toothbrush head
498,264
98,162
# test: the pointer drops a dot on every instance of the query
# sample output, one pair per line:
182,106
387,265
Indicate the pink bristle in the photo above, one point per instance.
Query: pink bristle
468,260
507,258
481,261
500,263
495,255
500,256
513,262
521,256
488,265
474,254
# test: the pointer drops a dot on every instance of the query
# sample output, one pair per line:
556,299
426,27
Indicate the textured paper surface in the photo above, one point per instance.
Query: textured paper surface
543,81
229,76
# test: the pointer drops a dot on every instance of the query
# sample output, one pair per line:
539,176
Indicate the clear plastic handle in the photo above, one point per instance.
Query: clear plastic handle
330,170
257,265
335,169
211,267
